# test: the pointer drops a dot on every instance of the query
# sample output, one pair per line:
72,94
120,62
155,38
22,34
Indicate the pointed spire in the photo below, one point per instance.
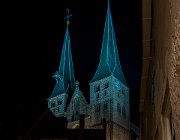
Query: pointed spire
66,69
65,75
109,59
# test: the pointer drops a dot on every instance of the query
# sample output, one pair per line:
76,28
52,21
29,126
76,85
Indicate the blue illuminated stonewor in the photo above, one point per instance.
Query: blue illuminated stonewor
109,59
66,69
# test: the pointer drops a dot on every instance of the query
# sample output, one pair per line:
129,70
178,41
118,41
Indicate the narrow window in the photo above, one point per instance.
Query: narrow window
105,93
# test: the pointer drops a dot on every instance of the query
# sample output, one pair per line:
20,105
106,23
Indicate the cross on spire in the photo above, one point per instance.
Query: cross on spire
68,16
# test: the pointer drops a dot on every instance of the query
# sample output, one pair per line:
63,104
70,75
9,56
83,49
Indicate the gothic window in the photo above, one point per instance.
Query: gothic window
106,106
59,102
106,85
97,88
97,109
123,112
53,104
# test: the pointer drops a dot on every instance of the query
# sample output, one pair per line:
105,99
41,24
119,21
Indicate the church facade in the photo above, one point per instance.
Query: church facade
109,92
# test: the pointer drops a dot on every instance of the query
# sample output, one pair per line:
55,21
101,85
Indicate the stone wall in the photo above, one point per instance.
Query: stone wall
162,106
173,64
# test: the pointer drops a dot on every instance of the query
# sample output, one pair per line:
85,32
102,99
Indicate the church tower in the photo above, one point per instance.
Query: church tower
65,80
109,92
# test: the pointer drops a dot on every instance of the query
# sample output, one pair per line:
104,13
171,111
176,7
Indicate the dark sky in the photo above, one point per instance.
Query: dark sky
33,37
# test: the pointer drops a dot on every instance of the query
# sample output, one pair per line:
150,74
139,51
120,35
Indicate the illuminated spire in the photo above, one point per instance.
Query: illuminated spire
109,59
65,75
66,69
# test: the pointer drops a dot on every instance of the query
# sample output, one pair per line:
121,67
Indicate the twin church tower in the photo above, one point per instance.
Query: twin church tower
109,92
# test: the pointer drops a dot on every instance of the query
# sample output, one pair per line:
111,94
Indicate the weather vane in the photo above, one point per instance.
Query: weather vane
68,16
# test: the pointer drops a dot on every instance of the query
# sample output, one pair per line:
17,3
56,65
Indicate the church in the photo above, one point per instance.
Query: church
109,91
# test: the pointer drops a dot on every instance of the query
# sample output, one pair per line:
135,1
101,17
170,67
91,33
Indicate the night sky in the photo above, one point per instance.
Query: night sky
33,37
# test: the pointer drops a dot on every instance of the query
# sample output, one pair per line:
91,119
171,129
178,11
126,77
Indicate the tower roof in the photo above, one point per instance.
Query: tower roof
66,69
109,59
65,79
